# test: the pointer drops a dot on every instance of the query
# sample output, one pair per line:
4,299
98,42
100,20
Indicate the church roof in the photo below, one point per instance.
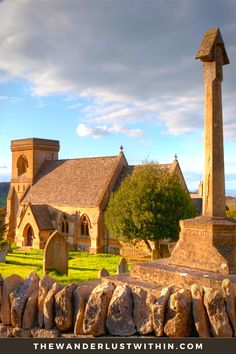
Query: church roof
42,216
128,170
73,182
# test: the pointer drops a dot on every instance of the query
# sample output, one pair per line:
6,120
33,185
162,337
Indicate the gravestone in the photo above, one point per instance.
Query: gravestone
122,266
56,254
3,253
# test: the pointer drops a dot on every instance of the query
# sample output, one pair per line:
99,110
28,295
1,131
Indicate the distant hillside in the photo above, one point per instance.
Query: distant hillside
4,188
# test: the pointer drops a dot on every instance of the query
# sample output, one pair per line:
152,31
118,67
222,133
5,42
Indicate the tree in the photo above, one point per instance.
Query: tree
148,206
2,228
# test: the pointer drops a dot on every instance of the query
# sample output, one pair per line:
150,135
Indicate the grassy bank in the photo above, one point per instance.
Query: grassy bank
82,266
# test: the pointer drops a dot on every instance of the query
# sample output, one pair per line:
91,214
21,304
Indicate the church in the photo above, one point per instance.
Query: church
48,194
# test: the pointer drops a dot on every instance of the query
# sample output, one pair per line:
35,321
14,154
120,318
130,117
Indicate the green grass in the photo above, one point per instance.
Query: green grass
82,266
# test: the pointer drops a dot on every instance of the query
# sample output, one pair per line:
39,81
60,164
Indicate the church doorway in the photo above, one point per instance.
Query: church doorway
28,236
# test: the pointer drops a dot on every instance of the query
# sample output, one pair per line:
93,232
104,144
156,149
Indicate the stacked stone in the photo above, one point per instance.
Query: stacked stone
45,309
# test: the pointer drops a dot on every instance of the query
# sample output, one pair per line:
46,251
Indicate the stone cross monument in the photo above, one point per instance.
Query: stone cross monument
206,251
208,242
213,55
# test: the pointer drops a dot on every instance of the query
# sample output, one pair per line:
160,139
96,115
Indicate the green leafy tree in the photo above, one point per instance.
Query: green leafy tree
2,227
148,206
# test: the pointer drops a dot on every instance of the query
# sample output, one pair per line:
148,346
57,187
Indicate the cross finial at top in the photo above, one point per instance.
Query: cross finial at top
175,157
121,149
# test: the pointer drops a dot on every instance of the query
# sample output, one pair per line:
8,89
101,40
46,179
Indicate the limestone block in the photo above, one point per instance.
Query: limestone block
159,311
45,285
6,331
64,308
215,306
30,285
30,315
13,295
10,284
120,320
199,312
45,333
81,295
230,301
178,317
49,306
143,301
96,309
21,333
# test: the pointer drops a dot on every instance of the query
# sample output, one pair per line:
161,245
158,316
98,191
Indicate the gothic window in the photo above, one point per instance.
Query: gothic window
22,165
64,224
84,230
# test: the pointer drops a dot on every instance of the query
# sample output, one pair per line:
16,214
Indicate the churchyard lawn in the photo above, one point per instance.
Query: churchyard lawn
82,266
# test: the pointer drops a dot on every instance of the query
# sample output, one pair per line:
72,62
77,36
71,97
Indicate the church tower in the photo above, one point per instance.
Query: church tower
28,155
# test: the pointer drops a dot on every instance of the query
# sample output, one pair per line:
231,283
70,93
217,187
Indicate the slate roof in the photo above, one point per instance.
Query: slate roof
42,216
73,182
128,170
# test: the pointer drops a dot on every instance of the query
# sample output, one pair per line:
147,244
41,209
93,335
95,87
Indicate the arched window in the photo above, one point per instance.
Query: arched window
84,227
22,165
64,224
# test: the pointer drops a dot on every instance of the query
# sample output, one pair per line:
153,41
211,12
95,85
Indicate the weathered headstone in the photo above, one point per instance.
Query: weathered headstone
103,273
122,266
56,254
3,253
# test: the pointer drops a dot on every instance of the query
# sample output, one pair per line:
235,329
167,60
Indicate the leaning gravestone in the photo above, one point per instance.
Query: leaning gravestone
122,266
56,254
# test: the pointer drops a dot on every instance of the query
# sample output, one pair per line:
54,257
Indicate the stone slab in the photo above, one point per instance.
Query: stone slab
164,274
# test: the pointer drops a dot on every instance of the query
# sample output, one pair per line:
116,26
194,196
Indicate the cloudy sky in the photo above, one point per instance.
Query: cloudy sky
98,74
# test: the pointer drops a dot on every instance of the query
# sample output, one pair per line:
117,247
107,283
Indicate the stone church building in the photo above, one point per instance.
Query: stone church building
48,194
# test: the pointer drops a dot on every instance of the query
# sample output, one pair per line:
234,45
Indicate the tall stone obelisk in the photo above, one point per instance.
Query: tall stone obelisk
208,242
213,54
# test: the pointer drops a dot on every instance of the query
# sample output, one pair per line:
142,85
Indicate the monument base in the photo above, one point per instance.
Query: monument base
207,244
161,273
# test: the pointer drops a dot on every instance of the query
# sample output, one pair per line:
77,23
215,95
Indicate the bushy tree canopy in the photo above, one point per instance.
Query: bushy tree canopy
148,206
2,228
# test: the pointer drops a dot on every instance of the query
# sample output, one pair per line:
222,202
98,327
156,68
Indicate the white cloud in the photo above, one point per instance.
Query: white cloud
3,98
133,60
99,131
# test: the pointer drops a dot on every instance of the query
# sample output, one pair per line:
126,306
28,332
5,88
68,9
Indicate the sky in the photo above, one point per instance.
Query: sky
99,74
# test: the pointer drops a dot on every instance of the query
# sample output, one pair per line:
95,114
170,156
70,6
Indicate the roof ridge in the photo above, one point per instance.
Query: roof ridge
83,158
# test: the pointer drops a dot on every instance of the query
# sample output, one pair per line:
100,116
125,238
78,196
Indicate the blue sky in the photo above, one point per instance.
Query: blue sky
98,74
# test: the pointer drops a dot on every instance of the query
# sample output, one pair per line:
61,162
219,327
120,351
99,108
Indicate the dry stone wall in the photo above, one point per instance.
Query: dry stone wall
42,308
